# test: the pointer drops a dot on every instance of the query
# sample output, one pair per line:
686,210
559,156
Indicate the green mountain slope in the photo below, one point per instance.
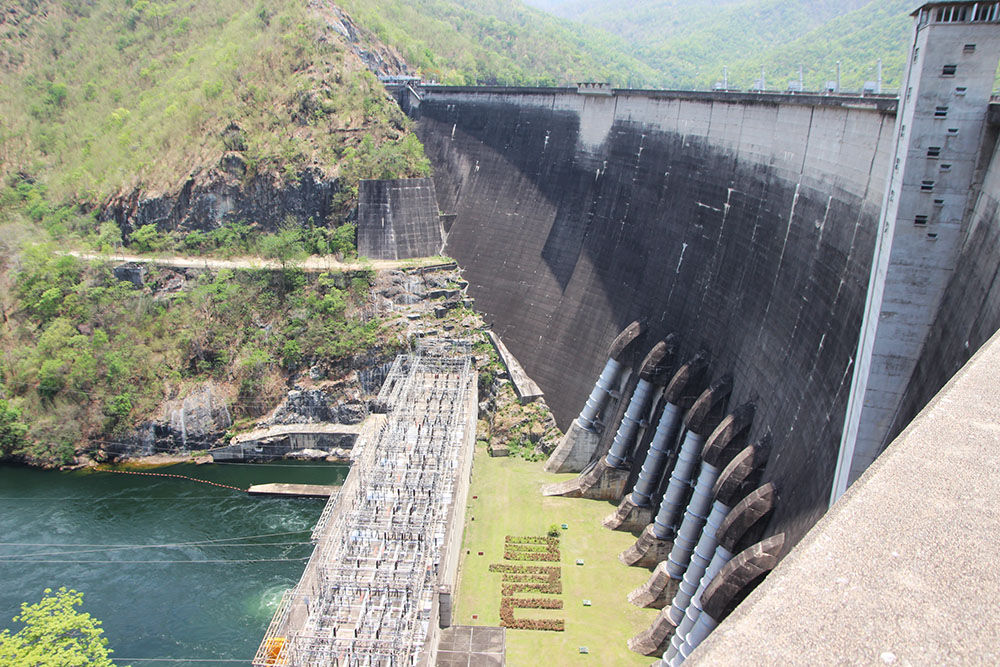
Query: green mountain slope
690,41
484,41
106,97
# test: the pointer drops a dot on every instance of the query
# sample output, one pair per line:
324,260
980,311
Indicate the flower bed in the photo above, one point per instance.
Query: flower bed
519,539
507,620
554,588
532,555
527,573
543,579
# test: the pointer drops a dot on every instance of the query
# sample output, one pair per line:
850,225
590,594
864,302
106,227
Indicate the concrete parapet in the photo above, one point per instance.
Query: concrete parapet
648,550
574,451
629,516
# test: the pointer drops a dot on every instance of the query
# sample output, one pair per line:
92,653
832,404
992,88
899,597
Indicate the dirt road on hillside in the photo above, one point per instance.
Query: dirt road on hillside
312,263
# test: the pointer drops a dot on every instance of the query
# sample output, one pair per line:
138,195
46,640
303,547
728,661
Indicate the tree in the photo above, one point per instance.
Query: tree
12,430
285,246
55,635
148,239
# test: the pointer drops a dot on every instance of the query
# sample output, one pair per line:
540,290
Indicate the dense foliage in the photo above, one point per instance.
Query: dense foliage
55,634
690,41
85,354
483,41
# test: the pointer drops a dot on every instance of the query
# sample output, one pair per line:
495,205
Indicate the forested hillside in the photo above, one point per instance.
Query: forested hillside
131,100
689,42
484,41
110,97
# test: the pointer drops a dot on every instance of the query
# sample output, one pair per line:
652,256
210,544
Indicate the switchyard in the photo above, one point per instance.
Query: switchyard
386,545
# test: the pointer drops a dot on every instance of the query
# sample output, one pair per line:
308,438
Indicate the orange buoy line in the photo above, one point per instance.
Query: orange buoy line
165,474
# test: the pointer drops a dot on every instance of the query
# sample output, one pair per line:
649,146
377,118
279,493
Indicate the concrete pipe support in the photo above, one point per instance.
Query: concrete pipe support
665,523
633,418
694,520
693,611
703,553
702,629
656,458
606,384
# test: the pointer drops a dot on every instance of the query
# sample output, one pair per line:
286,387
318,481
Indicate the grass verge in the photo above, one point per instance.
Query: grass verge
505,499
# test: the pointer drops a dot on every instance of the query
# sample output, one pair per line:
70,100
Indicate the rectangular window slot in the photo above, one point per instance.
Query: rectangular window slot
952,131
933,152
949,70
952,14
986,11
932,236
927,186
961,90
941,112
939,202
945,167
920,220
969,48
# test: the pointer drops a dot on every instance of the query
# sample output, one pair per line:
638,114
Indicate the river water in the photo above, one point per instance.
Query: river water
207,594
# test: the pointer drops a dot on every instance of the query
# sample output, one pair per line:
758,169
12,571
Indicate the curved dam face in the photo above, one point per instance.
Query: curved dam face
745,225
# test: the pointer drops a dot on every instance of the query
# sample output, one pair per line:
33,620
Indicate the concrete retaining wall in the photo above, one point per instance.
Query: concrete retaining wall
398,219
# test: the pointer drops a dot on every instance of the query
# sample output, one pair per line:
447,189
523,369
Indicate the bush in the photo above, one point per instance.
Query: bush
148,239
344,240
12,429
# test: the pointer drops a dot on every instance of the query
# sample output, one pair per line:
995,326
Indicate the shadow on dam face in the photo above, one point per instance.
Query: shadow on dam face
748,229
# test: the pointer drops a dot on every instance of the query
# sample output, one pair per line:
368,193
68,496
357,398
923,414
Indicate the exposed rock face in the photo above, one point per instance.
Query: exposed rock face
224,194
197,421
131,272
379,58
311,406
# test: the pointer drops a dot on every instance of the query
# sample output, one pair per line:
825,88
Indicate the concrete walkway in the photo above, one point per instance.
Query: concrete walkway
905,568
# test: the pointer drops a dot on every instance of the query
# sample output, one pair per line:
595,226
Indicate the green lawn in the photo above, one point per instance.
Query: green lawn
505,500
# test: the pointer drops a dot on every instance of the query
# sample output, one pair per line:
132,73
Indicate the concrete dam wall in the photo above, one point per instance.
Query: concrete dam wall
746,224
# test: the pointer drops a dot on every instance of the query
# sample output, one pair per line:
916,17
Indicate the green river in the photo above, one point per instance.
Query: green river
180,573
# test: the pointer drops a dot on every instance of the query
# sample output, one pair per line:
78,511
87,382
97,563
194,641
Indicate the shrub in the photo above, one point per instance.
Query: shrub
12,429
148,239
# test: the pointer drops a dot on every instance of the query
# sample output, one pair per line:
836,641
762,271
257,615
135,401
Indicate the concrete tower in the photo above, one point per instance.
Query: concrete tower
932,187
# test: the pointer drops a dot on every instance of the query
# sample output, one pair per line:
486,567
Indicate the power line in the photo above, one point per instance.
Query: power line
74,552
280,465
248,660
128,498
222,539
146,562
202,543
146,546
